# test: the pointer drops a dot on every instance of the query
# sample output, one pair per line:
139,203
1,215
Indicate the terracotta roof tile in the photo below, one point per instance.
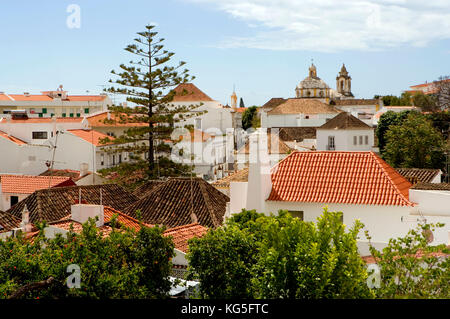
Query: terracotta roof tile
28,184
303,106
356,102
91,136
338,177
74,175
8,222
188,92
238,176
432,186
344,121
273,102
54,203
172,203
116,120
425,175
181,235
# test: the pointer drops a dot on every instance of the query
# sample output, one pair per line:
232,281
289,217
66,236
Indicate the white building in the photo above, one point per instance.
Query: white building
216,116
298,112
345,133
359,184
58,103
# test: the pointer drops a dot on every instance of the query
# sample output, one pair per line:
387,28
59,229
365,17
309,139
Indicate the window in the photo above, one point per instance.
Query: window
120,158
14,200
296,213
39,135
114,159
86,110
331,145
360,140
355,140
41,115
102,160
306,116
366,140
78,114
44,111
64,115
71,115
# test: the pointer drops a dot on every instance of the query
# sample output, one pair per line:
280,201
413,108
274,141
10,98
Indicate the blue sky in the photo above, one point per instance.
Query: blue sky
261,48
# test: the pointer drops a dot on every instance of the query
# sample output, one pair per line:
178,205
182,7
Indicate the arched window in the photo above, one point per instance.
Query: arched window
342,85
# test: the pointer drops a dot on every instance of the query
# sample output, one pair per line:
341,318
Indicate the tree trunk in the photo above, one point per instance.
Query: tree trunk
30,287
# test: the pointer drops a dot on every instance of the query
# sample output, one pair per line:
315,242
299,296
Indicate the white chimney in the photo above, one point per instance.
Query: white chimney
84,168
25,224
259,178
82,212
108,115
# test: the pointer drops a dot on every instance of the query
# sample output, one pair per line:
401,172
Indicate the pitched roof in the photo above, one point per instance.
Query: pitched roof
12,138
145,189
74,175
303,106
273,102
188,92
8,222
181,235
344,121
46,98
415,175
356,102
40,120
28,184
54,203
238,176
296,133
274,145
115,120
122,219
172,203
338,177
432,186
92,136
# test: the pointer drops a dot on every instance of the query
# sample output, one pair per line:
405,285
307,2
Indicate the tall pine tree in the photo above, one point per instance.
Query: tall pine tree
148,82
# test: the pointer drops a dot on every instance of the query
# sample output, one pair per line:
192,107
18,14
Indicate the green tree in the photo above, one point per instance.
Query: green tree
248,118
241,103
148,83
427,103
414,143
280,257
126,264
386,120
411,268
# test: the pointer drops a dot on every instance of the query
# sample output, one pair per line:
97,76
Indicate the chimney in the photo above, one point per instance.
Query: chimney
194,218
25,224
259,177
84,168
108,115
82,212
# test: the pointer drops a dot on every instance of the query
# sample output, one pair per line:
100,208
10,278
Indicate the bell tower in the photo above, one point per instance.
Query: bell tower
344,82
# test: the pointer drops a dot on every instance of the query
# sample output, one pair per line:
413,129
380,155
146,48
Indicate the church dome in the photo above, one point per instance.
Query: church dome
313,83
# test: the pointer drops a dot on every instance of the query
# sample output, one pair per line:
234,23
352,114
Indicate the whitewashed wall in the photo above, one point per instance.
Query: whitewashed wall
343,139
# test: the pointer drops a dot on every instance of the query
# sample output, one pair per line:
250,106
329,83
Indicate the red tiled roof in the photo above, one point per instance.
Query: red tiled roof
121,119
181,234
12,138
45,97
91,136
338,177
90,98
106,229
188,92
28,184
30,97
44,120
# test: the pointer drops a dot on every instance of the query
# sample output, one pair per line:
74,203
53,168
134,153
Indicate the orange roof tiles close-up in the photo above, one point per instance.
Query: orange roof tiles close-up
92,136
28,184
181,235
338,177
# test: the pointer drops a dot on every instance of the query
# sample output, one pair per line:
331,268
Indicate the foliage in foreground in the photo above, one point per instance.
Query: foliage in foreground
411,268
127,264
257,256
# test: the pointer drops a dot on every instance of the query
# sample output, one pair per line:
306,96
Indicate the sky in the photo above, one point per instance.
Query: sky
263,48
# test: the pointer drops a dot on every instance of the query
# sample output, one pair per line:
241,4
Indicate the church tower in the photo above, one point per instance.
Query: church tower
233,100
344,82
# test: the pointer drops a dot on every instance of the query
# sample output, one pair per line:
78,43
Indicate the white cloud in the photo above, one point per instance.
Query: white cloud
331,25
